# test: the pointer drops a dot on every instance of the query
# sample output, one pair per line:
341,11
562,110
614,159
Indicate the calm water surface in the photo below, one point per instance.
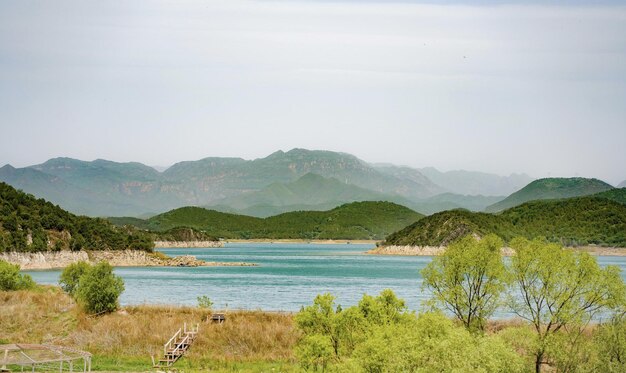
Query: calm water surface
288,276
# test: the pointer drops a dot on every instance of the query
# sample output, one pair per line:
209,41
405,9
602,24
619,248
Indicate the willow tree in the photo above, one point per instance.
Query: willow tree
468,279
556,288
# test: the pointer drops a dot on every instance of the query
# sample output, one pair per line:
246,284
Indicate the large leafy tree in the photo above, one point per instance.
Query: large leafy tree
468,279
556,288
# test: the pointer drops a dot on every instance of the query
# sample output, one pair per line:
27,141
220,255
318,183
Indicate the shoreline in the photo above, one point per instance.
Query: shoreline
303,241
122,258
506,251
187,244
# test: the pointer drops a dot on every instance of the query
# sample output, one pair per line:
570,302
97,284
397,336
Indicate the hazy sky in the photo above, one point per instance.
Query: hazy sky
493,86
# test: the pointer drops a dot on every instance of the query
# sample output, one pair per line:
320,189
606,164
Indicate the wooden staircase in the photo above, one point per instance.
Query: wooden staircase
176,347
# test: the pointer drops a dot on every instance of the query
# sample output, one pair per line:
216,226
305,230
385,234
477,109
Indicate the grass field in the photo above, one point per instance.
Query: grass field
124,341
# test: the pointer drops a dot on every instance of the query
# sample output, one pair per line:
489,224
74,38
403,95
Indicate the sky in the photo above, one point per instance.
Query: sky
497,86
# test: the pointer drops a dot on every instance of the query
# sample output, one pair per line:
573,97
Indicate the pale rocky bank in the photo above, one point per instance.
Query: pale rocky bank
506,251
420,250
187,244
122,258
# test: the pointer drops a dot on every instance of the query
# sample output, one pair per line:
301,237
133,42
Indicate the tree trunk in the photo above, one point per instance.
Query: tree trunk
538,361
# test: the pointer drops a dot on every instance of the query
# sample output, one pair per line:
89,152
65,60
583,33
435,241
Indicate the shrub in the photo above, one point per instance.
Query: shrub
11,279
315,352
70,276
99,289
205,302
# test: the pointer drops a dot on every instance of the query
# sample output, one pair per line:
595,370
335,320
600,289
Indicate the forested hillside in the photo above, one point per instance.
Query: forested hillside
358,220
31,224
551,188
591,220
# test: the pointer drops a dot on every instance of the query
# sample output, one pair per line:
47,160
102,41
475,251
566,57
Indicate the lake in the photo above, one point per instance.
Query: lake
288,276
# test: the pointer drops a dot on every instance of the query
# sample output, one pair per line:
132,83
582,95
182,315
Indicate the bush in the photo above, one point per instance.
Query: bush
99,289
70,276
315,352
432,343
11,279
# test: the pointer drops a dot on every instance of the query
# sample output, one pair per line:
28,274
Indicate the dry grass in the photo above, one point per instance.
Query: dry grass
50,316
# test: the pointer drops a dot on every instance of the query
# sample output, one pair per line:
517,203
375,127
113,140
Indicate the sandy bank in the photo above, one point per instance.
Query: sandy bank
122,258
506,251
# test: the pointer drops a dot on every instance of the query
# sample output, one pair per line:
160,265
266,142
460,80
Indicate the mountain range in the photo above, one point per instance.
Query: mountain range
283,181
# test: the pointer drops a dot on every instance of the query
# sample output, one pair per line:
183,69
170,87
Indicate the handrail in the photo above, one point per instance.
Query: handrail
176,335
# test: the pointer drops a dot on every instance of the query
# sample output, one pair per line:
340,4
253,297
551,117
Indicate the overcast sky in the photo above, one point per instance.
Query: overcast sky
492,86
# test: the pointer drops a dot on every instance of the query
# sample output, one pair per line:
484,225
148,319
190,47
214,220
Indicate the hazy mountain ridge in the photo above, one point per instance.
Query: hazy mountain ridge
622,184
259,187
476,183
551,188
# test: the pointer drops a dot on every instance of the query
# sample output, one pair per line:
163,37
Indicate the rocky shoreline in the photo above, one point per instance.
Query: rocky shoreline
421,250
122,258
506,251
187,244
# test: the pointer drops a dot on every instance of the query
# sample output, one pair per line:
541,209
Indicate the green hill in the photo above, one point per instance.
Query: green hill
551,188
358,220
597,220
617,195
30,224
310,192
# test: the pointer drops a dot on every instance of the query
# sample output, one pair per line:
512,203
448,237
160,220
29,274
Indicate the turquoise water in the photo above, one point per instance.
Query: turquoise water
288,276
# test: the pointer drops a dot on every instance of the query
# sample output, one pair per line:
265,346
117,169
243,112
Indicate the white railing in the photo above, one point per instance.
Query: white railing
172,340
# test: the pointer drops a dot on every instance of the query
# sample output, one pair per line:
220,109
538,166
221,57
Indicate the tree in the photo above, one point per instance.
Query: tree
557,288
11,279
70,277
99,289
321,319
468,279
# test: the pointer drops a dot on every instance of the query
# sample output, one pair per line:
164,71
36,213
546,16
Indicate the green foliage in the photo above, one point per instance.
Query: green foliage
315,352
205,302
11,279
468,279
379,335
99,289
432,343
70,277
593,220
556,288
358,220
551,188
610,346
22,215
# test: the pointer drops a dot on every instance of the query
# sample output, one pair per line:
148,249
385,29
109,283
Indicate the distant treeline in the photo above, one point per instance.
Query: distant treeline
28,224
593,220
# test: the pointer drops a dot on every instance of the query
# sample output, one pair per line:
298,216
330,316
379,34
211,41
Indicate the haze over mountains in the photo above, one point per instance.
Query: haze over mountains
282,181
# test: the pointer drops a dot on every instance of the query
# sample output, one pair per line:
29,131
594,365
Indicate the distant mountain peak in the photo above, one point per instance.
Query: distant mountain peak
7,167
